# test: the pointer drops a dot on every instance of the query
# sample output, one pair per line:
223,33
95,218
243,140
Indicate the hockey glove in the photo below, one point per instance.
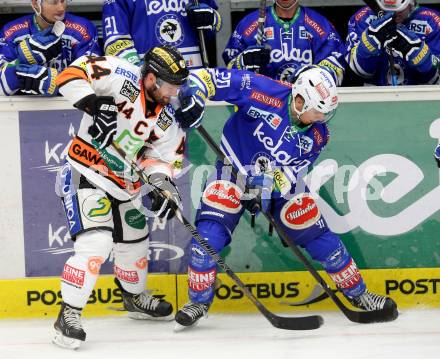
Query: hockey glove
254,58
259,193
160,205
412,49
192,106
104,112
40,48
37,80
380,33
437,155
204,17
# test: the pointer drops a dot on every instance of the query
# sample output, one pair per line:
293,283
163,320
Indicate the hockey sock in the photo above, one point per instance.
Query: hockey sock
202,270
82,269
329,250
131,265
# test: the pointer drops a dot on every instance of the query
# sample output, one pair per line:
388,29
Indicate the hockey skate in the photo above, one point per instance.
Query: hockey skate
144,306
190,315
370,301
68,329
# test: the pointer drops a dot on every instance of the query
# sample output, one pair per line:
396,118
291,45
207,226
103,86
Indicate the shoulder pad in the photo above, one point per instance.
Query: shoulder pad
18,27
78,27
316,23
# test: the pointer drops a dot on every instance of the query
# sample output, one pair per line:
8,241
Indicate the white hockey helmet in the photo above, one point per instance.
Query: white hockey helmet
394,5
318,89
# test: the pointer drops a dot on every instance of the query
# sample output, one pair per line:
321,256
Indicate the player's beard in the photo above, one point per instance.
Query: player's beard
156,96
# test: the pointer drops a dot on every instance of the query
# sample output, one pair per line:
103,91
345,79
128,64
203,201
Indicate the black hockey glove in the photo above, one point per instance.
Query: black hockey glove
407,44
104,111
203,17
254,58
192,106
259,193
382,30
160,205
40,48
37,80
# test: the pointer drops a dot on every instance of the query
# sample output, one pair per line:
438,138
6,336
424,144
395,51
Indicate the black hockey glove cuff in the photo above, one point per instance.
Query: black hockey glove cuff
104,112
254,58
203,17
161,205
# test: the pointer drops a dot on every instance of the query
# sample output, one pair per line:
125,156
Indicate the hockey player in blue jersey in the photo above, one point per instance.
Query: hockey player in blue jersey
278,131
294,36
32,53
411,33
131,28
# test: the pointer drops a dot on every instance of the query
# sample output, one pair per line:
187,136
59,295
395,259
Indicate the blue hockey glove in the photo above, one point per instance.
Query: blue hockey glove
105,123
37,80
412,49
40,48
192,106
254,58
204,17
160,205
437,155
380,32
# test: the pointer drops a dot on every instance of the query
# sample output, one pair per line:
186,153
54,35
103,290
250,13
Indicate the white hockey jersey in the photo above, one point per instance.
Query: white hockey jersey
155,141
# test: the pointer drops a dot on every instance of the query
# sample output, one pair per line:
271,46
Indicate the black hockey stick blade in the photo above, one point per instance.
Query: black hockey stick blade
363,317
295,323
374,316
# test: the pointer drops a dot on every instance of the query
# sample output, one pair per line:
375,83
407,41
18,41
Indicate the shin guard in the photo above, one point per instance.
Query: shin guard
82,269
131,265
202,270
329,250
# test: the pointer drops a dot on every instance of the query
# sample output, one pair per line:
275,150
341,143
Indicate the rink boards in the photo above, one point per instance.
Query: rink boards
380,136
40,297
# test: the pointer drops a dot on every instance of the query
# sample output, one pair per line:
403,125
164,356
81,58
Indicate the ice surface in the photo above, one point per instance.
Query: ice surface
415,334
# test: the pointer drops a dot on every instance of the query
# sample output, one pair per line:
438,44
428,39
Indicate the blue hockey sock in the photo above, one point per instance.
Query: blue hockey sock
202,270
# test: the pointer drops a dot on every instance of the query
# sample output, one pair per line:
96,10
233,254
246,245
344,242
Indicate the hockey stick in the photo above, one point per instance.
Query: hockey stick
261,21
290,323
355,316
260,38
372,4
203,52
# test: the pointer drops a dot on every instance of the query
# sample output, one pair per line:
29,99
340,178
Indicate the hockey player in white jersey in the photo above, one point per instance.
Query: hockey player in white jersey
128,105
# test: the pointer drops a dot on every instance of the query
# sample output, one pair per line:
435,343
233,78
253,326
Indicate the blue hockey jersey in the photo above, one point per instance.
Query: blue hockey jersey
308,39
259,136
131,28
376,69
79,38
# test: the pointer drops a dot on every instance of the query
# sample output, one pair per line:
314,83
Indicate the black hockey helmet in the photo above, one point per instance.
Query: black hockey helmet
167,63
